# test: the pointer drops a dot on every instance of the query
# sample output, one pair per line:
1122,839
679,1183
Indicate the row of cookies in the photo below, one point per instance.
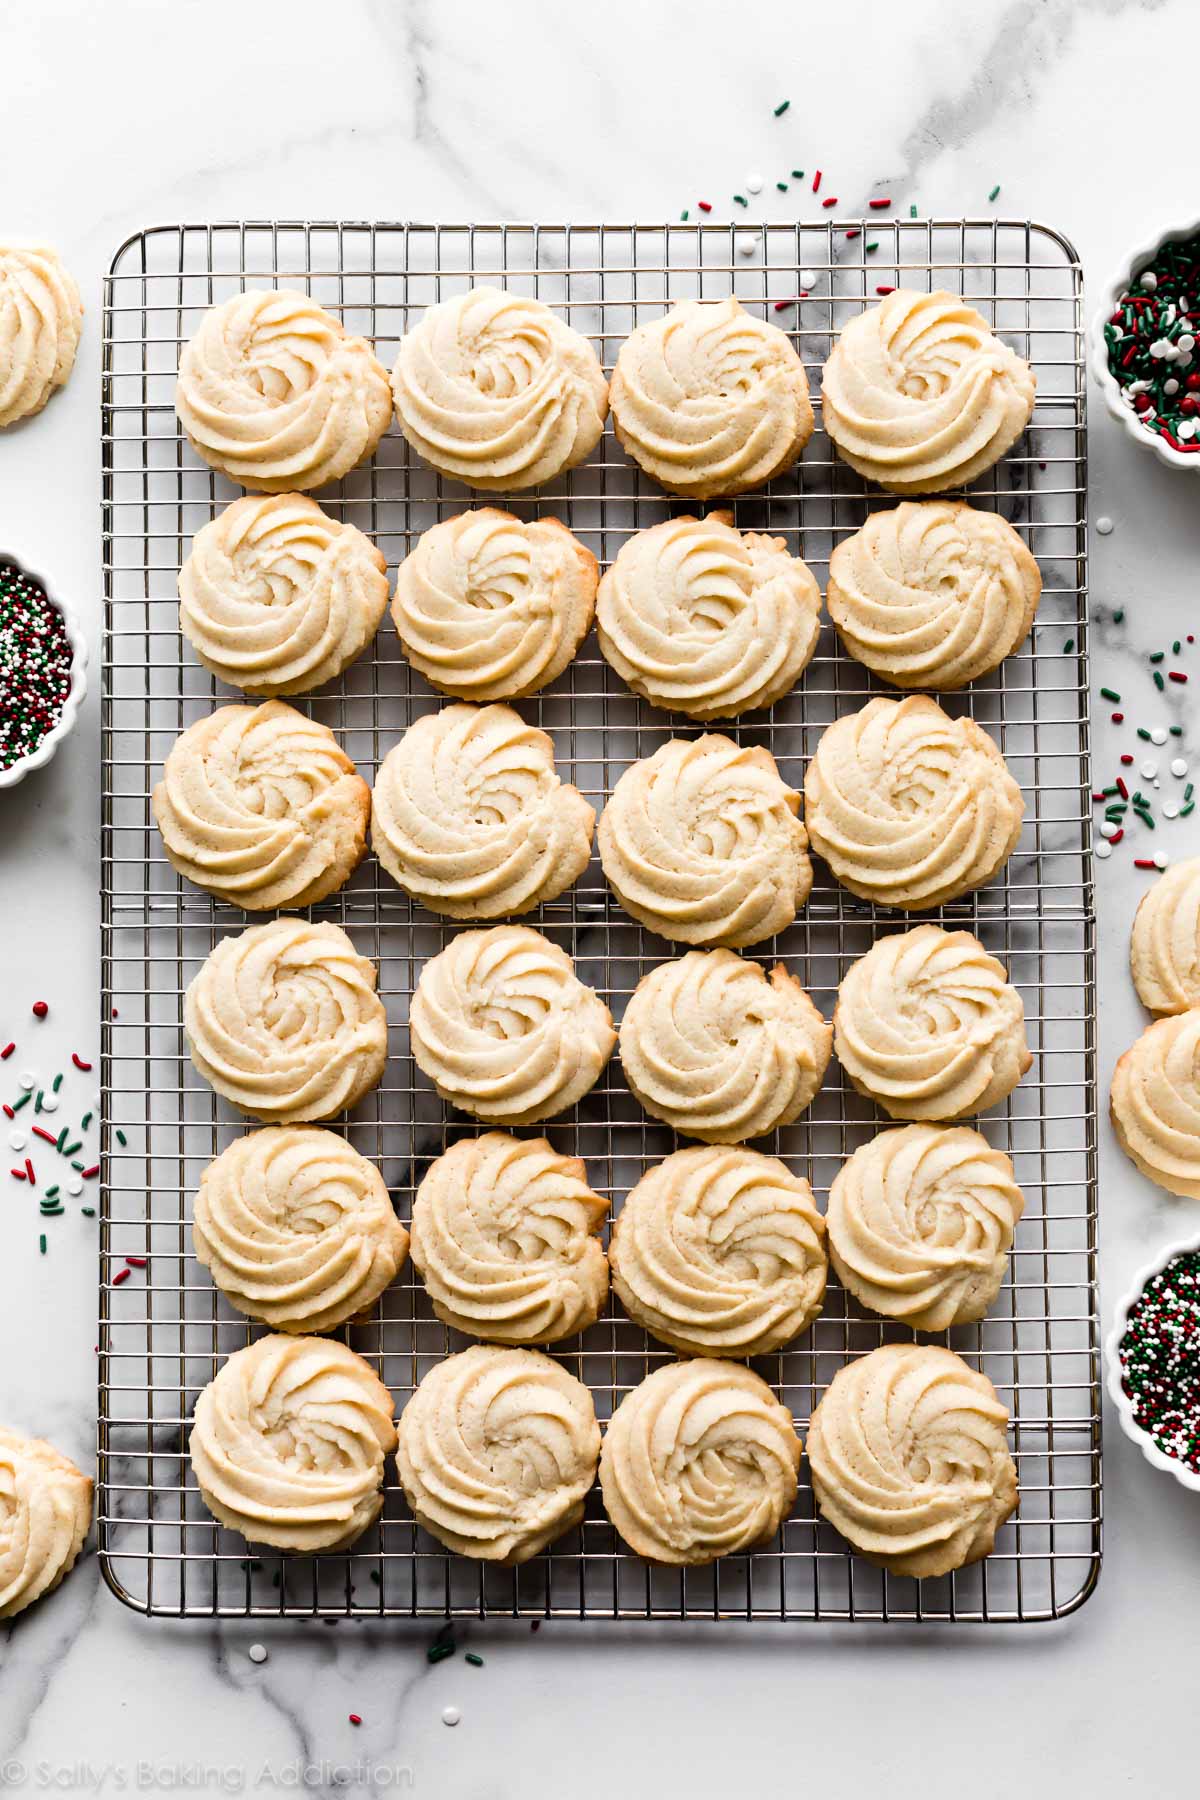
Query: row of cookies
702,842
497,1449
1155,1098
277,598
496,390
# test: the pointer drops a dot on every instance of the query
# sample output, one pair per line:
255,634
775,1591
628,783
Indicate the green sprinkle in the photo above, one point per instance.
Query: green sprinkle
994,191
782,186
1159,683
1118,616
85,1121
1110,694
78,1166
1068,646
23,1101
51,1211
741,200
375,1577
869,247
912,212
475,1661
797,174
121,1138
56,1084
1139,799
72,1149
37,1105
60,1139
1189,808
89,1212
1175,730
1115,813
1109,791
1175,648
1144,734
1189,790
782,108
683,220
51,1192
42,1243
437,1653
1145,819
1158,656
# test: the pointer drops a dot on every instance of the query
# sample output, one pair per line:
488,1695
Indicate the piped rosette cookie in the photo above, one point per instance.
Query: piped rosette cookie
710,400
505,1235
492,607
274,393
1155,1103
497,391
1164,948
910,807
45,1515
497,1451
919,395
702,843
41,316
504,1028
701,619
470,817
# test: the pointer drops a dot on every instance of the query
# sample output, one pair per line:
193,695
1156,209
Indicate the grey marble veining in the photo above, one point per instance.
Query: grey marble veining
461,110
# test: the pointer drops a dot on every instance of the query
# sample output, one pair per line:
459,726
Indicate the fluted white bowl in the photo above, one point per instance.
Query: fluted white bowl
37,759
1112,1358
1110,391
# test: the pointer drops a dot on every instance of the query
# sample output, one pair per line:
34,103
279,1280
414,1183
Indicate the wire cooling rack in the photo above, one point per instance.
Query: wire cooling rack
164,1336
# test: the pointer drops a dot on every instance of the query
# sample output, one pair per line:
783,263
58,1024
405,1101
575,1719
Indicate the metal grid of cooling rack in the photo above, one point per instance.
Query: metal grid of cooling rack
164,1336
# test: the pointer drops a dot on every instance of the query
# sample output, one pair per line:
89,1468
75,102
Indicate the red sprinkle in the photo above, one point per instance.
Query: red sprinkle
885,290
136,1262
356,1718
94,1170
782,305
19,1173
879,205
80,1064
704,205
29,1170
1142,862
1117,836
120,1276
1122,789
832,200
1097,797
855,232
40,1009
817,182
8,1111
7,1052
48,1135
1127,761
1176,675
1118,718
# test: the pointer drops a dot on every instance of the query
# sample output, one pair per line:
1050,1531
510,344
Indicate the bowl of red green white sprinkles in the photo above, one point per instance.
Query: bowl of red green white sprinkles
1153,1358
43,672
1145,347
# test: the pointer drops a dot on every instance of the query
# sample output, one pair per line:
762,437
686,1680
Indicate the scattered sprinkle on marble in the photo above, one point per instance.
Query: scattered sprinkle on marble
1149,770
1103,851
1109,829
1158,734
1170,810
27,1081
808,278
74,1185
1179,768
754,182
746,246
257,1653
1104,525
450,1715
17,1140
1162,860
49,1102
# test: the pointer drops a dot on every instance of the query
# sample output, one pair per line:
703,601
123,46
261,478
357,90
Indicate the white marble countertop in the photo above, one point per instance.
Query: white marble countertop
136,113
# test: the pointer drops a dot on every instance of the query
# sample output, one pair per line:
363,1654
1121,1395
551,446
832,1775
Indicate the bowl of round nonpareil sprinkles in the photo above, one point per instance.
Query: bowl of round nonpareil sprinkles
1145,347
1153,1355
43,672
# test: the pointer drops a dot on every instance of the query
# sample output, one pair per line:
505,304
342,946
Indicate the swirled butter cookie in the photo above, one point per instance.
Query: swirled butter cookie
919,396
276,395
910,1460
720,1252
928,1024
498,1448
278,598
702,843
284,1021
297,1229
933,594
505,1029
505,1234
921,1221
41,316
700,1460
1164,947
470,817
710,400
45,1514
262,806
909,807
288,1443
1155,1103
496,390
718,1049
705,620
492,607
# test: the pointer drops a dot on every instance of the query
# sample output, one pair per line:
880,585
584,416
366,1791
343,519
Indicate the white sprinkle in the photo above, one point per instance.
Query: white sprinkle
1178,767
746,246
1187,428
1103,851
27,1081
1162,860
1186,341
74,1185
1149,770
1149,281
257,1653
755,183
450,1715
1170,385
1109,829
1185,359
17,1140
808,279
1142,387
1158,734
1104,525
1170,810
1163,349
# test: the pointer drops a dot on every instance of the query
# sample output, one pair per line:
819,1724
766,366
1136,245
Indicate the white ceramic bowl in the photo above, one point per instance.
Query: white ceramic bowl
1105,380
37,759
1112,1357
